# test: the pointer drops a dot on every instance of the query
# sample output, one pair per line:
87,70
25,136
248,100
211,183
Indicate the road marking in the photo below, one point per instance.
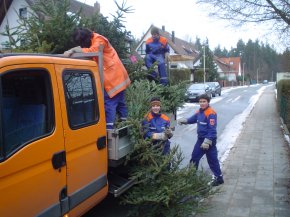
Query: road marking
229,100
236,98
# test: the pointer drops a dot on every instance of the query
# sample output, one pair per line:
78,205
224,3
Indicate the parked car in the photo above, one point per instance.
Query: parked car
195,90
265,82
215,88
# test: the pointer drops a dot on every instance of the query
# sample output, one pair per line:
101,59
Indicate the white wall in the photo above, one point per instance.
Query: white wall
11,18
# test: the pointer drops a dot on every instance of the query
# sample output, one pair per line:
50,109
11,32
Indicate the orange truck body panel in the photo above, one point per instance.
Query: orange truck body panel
30,183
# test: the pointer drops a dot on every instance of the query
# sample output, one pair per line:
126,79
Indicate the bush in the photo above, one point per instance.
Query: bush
178,75
283,100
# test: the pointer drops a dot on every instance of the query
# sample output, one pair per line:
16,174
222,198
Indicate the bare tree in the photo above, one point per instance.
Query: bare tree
276,13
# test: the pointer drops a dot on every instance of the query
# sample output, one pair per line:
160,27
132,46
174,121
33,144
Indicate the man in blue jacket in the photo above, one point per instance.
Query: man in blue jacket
156,50
156,126
206,119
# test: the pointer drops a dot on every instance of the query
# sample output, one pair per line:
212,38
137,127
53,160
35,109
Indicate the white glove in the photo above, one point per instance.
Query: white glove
67,53
182,121
77,49
159,136
206,143
168,133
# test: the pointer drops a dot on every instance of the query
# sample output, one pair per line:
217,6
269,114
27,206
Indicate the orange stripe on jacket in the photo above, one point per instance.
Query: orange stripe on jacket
209,111
149,117
162,40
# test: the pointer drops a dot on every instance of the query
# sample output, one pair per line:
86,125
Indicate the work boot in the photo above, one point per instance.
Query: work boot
217,181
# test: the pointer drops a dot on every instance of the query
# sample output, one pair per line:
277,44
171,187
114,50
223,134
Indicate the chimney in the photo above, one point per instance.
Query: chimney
163,28
97,7
173,37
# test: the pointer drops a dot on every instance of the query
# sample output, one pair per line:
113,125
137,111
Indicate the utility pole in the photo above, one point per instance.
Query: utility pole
257,75
272,77
204,63
244,74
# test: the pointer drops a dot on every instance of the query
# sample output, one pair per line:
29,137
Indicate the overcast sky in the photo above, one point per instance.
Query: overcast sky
187,19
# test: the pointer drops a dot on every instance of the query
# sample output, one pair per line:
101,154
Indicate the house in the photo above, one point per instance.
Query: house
11,11
229,68
182,54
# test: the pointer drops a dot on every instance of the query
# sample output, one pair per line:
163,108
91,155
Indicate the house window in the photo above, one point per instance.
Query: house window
141,49
231,63
23,13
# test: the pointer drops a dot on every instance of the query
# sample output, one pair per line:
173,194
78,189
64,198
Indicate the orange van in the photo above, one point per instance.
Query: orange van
53,148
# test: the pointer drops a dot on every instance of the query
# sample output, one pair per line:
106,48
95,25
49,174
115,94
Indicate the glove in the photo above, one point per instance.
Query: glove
182,121
168,133
159,136
206,143
67,53
77,49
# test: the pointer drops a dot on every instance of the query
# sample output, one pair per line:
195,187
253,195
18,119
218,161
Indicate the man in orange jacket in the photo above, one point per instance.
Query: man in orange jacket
116,78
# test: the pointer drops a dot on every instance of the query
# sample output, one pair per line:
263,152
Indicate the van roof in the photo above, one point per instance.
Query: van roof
76,59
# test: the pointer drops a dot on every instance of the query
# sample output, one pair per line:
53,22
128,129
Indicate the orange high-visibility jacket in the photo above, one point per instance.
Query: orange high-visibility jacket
116,78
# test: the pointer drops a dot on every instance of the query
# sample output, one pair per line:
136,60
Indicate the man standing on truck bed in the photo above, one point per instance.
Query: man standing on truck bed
157,50
116,78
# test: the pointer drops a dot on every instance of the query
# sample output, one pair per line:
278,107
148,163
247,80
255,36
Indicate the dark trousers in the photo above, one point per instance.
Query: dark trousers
150,60
211,156
113,106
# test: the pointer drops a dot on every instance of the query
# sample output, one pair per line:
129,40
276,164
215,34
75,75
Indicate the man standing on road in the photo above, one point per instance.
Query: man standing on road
157,50
206,119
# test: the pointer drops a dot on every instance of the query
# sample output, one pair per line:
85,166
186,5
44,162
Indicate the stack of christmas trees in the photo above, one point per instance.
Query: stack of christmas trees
163,187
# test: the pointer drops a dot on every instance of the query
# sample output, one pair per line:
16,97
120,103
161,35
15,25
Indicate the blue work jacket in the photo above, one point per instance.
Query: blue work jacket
155,123
206,123
157,47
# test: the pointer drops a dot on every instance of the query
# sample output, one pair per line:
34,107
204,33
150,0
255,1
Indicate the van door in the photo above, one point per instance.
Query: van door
32,157
85,136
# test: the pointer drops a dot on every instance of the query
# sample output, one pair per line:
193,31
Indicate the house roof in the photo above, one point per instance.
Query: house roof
232,62
4,6
223,66
75,6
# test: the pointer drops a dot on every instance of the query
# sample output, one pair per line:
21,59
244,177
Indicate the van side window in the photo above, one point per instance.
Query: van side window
81,99
27,108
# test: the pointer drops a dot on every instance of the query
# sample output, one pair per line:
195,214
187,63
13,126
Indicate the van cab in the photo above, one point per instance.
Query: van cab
53,146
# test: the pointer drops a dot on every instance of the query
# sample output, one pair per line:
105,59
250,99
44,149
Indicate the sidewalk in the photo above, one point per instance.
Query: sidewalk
257,170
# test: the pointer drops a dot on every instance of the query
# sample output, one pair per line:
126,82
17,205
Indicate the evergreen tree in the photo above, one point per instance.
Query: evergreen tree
163,188
48,28
220,53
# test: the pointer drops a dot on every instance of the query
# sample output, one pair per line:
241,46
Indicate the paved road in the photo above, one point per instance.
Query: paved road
230,107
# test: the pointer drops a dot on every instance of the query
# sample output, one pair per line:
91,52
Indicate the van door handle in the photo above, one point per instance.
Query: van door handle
101,143
58,160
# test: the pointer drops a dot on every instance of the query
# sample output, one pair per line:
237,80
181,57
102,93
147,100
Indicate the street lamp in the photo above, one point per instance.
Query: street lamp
203,63
244,74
